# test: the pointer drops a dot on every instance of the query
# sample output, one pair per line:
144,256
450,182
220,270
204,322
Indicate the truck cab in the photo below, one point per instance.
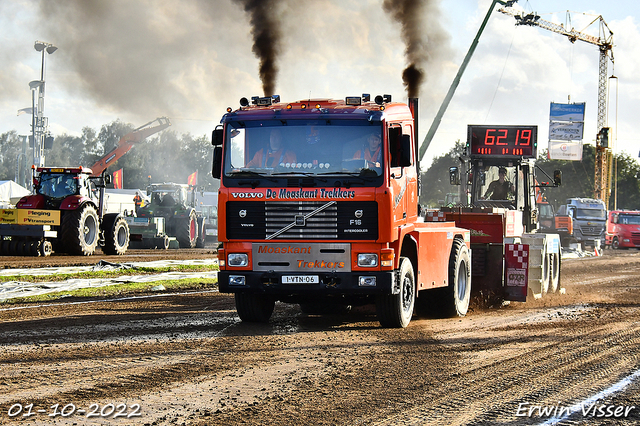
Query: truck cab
318,205
623,229
589,218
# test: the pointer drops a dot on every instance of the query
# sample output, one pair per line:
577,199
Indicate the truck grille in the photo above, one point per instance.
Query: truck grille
591,230
323,224
297,220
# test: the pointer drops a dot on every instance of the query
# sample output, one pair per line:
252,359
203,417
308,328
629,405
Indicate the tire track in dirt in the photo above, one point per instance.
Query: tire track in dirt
549,369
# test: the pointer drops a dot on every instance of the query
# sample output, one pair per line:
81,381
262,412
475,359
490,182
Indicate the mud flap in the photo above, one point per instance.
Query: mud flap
516,261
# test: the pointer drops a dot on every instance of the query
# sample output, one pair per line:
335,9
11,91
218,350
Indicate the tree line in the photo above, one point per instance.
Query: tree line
577,178
164,157
169,157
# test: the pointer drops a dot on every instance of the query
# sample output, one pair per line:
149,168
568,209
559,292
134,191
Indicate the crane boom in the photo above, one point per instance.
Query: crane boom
604,41
126,142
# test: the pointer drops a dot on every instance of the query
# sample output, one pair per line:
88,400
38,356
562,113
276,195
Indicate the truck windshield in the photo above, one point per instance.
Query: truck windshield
303,147
591,213
629,219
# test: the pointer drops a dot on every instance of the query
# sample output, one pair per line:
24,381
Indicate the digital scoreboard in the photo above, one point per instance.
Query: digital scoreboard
502,141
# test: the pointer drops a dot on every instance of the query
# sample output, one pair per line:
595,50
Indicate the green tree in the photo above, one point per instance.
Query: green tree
435,180
10,149
628,183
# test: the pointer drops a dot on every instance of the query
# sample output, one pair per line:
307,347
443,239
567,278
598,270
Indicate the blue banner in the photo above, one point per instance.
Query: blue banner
567,112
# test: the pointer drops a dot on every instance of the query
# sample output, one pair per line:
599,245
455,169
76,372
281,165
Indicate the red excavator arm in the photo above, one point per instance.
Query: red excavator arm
126,143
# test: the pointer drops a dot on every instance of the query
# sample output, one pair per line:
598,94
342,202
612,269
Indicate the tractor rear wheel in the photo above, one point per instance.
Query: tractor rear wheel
201,233
187,231
116,234
79,231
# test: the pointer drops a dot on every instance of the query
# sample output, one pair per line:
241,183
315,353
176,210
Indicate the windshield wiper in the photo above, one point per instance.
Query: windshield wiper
250,173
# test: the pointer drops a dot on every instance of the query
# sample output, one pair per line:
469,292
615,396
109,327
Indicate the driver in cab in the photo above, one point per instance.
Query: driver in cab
499,189
274,155
372,153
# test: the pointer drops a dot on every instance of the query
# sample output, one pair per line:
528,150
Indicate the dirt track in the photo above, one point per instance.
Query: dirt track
186,359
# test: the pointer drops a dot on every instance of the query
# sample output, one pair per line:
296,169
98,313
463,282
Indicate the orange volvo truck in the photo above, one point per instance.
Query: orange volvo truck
318,206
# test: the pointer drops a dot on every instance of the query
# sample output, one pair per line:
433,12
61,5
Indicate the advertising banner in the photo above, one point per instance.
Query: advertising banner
567,112
38,217
559,150
566,131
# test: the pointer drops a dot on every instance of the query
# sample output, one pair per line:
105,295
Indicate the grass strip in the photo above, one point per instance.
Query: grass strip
120,290
109,274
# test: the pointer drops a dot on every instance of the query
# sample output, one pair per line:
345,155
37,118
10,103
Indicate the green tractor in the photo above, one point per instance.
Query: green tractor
176,204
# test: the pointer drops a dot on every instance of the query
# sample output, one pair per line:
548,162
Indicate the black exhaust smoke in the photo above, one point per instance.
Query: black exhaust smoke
409,14
266,39
425,40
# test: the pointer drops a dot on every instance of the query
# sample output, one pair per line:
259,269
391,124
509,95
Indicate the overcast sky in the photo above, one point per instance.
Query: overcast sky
136,60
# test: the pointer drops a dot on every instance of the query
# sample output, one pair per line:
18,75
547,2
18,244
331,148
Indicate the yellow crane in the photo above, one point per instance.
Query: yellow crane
604,41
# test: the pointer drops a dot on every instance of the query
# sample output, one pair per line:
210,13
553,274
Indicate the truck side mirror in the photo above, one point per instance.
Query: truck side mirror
557,177
216,137
454,176
107,179
405,151
216,170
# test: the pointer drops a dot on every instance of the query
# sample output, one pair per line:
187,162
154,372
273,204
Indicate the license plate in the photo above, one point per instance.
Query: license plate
300,279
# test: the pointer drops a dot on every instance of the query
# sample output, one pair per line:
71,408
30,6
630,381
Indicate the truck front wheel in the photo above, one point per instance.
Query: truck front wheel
615,244
254,307
458,292
80,231
396,310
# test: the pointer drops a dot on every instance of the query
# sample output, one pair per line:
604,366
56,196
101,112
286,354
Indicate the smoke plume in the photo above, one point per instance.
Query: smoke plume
422,35
266,39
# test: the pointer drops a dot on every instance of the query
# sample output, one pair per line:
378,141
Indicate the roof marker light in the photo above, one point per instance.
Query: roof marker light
229,109
289,106
303,106
353,100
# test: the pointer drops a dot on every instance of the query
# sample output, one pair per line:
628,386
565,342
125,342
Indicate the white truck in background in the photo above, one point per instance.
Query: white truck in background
589,218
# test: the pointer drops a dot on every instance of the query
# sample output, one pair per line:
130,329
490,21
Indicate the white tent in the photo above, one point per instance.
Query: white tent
10,193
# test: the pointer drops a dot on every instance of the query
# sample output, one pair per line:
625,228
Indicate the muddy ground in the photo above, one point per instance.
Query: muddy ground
186,359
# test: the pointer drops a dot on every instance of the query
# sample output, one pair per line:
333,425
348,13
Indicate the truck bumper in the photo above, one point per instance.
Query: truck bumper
333,283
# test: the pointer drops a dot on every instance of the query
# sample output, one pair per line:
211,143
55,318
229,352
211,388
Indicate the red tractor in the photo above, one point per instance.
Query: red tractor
65,214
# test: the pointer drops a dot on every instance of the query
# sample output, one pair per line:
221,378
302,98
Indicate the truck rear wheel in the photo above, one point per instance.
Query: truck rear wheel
187,231
396,310
254,307
79,231
458,292
116,234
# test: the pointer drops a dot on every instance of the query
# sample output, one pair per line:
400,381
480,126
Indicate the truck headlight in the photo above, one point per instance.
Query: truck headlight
367,260
237,259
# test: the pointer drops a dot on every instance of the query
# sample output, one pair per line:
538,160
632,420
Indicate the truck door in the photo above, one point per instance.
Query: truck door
403,180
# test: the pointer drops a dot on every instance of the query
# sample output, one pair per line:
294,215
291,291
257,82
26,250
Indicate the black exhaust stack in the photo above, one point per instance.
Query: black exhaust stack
413,107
